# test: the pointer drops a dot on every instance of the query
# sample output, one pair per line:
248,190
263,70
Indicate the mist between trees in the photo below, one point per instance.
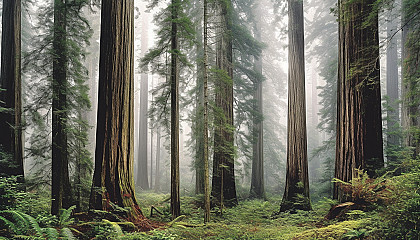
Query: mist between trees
224,100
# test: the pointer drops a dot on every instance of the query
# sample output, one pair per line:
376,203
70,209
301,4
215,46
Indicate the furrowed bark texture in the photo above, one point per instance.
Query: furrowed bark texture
113,177
10,83
296,194
223,183
61,192
175,202
359,123
410,117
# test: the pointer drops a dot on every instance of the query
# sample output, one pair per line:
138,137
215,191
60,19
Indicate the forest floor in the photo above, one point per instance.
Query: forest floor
250,219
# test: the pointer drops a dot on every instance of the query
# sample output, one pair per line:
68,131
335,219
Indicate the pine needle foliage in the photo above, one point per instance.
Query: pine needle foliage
38,70
157,59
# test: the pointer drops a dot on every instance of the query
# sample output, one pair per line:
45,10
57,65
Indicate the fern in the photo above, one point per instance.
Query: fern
115,226
65,214
67,234
51,233
33,223
24,237
21,224
10,225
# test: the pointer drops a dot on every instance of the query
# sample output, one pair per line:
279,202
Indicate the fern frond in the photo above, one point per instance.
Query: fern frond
51,233
114,226
67,234
10,225
21,224
65,215
24,237
33,223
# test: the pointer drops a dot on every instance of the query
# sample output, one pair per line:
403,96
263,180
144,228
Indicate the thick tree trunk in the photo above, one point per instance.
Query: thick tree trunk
61,189
113,177
359,123
175,203
257,176
10,85
142,165
296,194
223,183
410,117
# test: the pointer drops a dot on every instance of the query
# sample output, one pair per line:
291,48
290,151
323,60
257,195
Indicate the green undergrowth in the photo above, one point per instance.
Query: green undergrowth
251,219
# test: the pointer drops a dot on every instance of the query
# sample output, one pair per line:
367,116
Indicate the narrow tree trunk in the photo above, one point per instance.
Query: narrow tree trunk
142,165
205,119
113,177
359,123
296,194
157,175
393,113
10,85
199,157
151,156
257,176
175,203
223,183
61,189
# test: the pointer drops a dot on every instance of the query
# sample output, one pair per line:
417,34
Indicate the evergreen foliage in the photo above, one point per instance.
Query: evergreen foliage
157,60
38,69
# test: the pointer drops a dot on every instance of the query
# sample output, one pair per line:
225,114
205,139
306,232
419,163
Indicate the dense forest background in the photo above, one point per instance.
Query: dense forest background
212,119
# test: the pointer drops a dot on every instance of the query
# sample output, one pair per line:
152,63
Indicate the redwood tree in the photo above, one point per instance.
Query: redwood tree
142,170
60,189
175,203
296,194
410,114
257,176
359,123
10,90
223,182
113,177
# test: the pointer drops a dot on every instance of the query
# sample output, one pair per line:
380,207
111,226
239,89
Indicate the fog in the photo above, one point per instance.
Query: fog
320,68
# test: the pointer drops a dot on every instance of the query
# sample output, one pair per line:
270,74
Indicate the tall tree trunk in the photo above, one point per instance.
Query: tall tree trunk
10,85
257,176
157,175
205,118
393,112
359,123
199,155
296,194
113,177
142,166
410,95
61,189
175,203
151,155
223,183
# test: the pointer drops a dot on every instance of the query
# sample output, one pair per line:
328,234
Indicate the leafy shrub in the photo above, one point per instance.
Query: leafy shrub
365,191
12,197
402,213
